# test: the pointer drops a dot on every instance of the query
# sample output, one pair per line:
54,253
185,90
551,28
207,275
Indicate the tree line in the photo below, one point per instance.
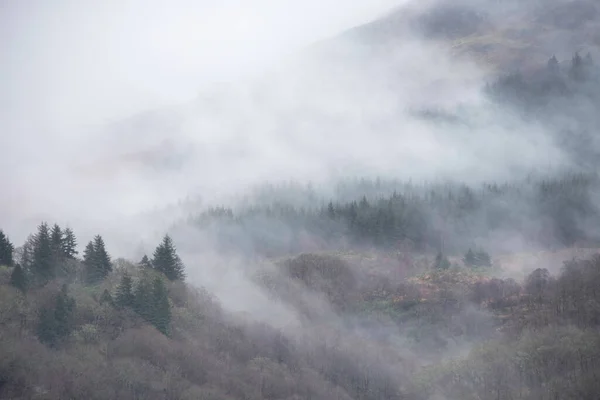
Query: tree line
51,254
450,218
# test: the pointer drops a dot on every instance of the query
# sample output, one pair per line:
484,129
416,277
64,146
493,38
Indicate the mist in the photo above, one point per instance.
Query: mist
226,97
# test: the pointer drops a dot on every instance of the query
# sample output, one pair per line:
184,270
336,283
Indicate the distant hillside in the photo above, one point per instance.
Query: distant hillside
503,34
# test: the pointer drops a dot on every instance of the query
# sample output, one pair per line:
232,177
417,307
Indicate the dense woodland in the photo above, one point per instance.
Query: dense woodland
432,315
93,327
541,212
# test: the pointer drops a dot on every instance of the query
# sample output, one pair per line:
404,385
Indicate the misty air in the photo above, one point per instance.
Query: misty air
377,200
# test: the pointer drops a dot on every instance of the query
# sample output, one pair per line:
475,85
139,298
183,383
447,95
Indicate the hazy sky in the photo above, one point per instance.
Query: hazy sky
116,56
69,65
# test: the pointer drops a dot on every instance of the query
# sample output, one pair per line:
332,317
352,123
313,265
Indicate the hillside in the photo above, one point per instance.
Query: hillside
502,35
328,331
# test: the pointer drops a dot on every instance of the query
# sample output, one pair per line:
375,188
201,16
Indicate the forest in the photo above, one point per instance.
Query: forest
361,288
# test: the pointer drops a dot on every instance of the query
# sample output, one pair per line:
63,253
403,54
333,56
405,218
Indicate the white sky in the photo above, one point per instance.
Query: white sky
111,57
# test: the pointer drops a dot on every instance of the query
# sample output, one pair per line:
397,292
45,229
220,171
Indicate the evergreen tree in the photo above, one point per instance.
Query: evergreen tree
56,240
69,244
42,263
104,264
124,296
167,261
553,65
6,250
469,258
161,309
441,262
482,259
106,297
143,299
96,261
91,273
577,71
145,262
330,210
56,323
18,278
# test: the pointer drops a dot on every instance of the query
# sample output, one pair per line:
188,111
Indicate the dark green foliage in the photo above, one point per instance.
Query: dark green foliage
423,215
478,258
96,261
56,240
124,296
142,301
42,264
106,298
6,250
469,258
145,262
441,261
92,275
150,301
18,278
69,244
56,323
104,263
166,260
161,309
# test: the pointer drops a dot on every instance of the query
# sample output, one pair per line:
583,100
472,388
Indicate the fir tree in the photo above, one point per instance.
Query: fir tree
441,262
18,278
96,261
106,297
56,240
92,274
167,261
42,263
124,296
469,258
69,244
330,210
553,65
56,323
6,250
482,259
143,302
104,264
161,309
145,262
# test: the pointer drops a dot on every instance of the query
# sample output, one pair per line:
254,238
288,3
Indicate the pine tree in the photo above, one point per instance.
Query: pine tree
69,244
330,210
143,302
56,323
18,278
469,258
161,309
553,65
106,297
56,240
104,264
6,250
441,262
96,261
482,259
124,296
167,261
42,264
92,274
145,262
